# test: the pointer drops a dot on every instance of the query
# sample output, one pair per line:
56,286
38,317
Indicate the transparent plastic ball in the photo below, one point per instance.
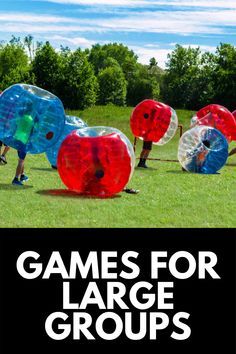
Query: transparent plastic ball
71,123
203,149
32,119
153,121
216,116
96,161
234,115
171,131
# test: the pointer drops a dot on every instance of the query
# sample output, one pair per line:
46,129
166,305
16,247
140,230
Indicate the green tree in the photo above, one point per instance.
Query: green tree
125,57
46,67
112,84
145,84
78,84
205,83
122,54
224,76
14,64
153,62
28,41
179,87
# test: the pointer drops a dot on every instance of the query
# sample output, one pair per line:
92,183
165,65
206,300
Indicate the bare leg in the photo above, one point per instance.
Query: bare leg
232,152
20,168
2,156
143,156
6,149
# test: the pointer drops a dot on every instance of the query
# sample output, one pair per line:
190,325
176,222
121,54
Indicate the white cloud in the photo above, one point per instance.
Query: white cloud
37,28
136,3
32,18
203,48
180,22
75,41
145,54
215,18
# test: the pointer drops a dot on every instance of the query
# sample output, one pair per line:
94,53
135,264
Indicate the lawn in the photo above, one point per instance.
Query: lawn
168,197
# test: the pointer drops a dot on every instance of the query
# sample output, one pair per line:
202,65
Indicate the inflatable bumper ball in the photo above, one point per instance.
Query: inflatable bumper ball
31,119
218,117
153,121
203,149
71,123
97,161
234,115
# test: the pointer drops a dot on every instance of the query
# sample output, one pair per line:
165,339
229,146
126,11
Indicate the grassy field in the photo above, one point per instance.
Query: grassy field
168,197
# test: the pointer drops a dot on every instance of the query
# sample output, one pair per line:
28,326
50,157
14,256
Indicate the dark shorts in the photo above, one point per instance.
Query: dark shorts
21,154
147,145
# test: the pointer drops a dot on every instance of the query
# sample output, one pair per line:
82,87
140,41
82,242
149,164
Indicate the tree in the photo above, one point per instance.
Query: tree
122,54
205,84
152,62
78,84
224,76
125,57
46,66
28,41
145,84
180,84
112,84
14,64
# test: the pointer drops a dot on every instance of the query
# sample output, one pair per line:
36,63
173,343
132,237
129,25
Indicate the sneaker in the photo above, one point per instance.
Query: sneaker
24,178
3,159
131,190
143,165
16,182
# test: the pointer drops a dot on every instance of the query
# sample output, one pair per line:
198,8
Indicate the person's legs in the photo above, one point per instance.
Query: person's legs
6,149
3,155
19,168
147,147
19,171
232,152
20,176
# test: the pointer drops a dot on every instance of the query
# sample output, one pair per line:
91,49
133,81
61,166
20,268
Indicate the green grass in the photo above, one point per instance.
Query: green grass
168,197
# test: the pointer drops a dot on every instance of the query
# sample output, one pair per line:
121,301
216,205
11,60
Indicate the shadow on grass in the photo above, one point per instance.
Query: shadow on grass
43,169
231,164
65,193
192,173
8,186
145,169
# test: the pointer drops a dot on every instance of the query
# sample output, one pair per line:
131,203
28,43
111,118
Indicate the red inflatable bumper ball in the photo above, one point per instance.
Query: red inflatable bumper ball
97,161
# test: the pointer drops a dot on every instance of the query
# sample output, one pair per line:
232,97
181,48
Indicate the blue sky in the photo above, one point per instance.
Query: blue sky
150,27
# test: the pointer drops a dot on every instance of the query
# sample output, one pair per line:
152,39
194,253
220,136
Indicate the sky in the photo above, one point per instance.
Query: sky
151,28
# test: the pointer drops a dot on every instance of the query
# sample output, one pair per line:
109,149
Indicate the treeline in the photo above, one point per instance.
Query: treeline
111,73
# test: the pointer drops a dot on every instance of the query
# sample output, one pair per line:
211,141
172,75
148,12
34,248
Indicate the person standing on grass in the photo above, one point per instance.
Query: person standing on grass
25,125
147,147
20,177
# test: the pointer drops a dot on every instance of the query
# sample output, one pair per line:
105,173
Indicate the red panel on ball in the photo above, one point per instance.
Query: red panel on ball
218,117
234,114
150,120
96,166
